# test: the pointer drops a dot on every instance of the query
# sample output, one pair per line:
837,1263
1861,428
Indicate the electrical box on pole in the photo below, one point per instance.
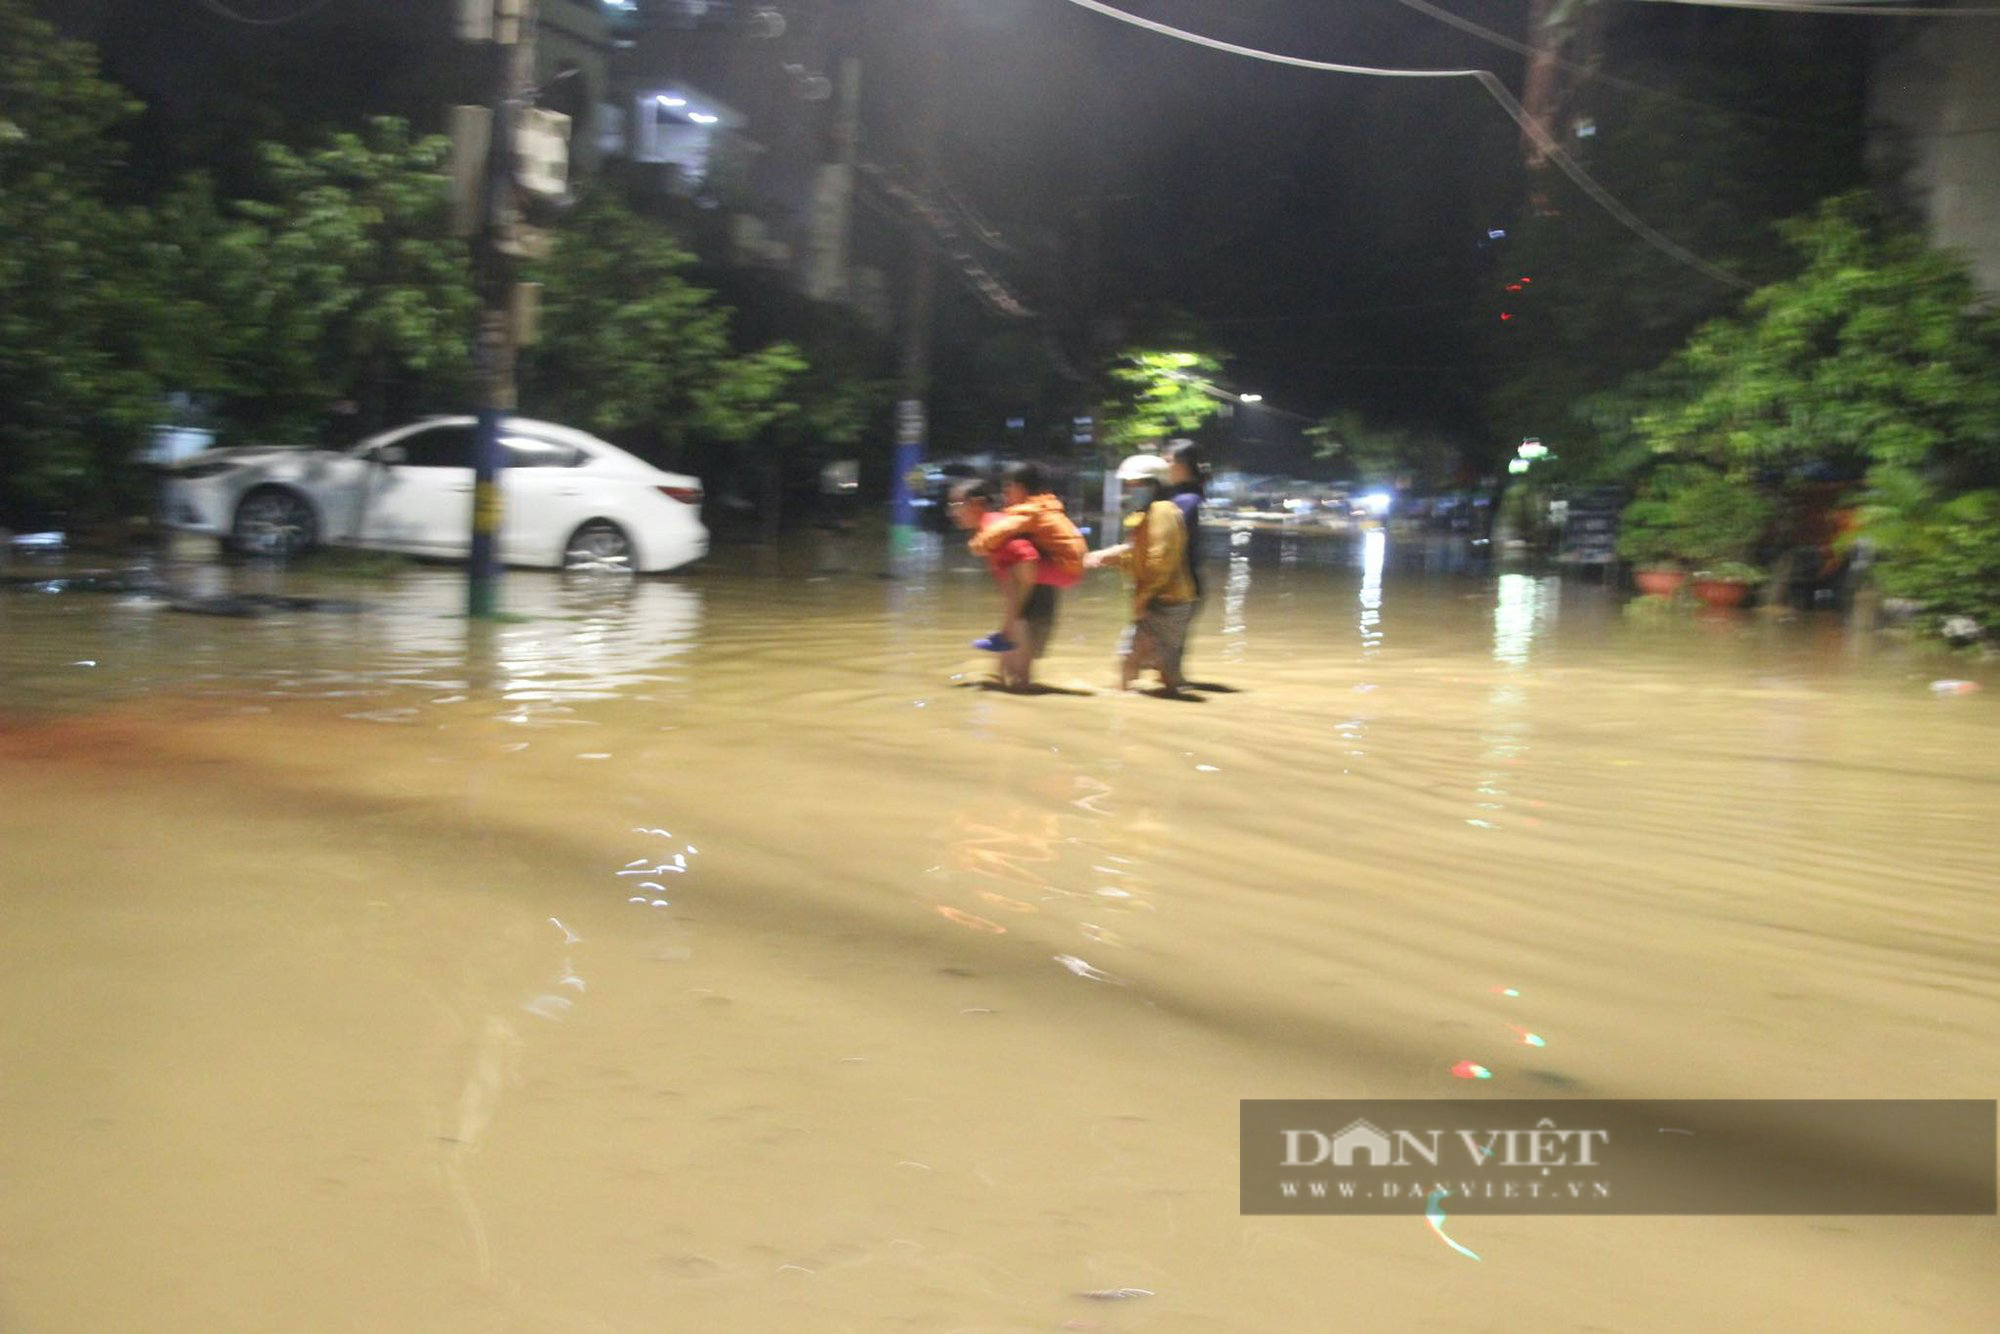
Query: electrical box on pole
475,20
539,183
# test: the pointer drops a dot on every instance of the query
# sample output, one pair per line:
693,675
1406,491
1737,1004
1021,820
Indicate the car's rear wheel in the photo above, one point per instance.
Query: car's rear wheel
273,521
596,545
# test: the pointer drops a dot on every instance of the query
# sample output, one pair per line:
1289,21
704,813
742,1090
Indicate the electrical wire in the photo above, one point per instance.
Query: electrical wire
217,7
1860,7
1500,39
1497,90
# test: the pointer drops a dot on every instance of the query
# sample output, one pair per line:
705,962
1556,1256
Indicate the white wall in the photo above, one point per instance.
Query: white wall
1934,103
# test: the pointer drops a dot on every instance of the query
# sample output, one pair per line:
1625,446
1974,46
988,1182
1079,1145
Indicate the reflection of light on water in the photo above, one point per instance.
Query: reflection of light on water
1374,548
1235,592
1526,605
601,648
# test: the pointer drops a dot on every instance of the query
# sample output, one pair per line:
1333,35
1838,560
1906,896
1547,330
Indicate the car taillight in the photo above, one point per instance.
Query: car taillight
687,495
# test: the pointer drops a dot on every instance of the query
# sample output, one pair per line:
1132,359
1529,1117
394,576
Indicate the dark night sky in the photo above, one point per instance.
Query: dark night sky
1325,227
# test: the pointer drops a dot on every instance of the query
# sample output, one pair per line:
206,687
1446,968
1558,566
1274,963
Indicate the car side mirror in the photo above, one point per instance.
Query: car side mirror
392,455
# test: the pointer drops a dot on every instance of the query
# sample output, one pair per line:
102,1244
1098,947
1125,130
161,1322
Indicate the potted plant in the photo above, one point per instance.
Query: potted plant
1690,515
1727,517
1725,583
1650,533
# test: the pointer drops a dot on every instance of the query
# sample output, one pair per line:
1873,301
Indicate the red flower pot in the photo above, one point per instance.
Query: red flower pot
1659,583
1721,592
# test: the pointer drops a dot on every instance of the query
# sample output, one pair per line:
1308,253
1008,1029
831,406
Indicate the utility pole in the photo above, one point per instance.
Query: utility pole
1561,36
506,31
912,423
510,171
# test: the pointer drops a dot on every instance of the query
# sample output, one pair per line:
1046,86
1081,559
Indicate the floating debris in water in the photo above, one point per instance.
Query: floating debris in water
1954,687
1505,991
1115,1294
1528,1039
1471,1070
1434,1215
569,937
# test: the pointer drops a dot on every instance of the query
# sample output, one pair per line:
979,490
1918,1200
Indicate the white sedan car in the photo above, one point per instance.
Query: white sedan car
567,498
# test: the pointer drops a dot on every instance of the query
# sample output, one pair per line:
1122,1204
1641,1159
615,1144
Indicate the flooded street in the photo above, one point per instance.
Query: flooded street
713,953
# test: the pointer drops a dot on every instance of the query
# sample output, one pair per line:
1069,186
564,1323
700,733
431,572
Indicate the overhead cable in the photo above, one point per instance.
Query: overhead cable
1501,39
1497,90
1890,11
217,7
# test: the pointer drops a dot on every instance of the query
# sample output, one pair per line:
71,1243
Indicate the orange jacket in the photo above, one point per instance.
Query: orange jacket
1042,520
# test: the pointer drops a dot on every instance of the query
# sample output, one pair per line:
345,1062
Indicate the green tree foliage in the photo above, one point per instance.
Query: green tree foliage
72,406
1696,515
1370,453
1941,551
1873,353
1156,395
344,280
632,349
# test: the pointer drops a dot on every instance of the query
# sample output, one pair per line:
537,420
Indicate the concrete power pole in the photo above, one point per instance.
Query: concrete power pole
1562,36
1541,95
912,418
489,206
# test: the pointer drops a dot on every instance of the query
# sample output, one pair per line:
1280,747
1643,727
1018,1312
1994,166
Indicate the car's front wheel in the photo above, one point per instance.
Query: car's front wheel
272,521
599,544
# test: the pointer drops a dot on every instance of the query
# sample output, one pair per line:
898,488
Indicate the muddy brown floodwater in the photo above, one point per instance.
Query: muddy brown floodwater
713,954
